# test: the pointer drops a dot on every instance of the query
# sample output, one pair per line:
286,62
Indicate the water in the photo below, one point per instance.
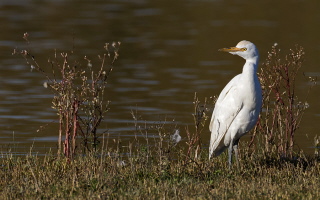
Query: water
168,52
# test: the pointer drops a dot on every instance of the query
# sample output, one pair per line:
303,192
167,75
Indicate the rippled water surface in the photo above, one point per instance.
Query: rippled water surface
168,52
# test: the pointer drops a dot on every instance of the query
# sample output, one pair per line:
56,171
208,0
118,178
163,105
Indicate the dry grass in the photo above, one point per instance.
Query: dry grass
141,177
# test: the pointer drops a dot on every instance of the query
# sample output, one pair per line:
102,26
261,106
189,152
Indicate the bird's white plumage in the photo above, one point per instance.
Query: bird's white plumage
238,106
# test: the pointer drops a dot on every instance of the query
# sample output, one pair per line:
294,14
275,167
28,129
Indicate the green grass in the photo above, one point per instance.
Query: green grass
154,177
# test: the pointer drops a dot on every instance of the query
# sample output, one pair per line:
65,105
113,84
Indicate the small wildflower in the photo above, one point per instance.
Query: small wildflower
45,84
106,46
121,163
25,36
24,52
32,68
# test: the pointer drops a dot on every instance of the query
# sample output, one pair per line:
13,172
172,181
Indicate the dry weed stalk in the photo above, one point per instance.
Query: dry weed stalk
194,138
164,141
78,94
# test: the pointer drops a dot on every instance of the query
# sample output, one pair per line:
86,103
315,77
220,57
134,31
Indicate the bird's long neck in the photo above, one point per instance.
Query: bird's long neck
250,67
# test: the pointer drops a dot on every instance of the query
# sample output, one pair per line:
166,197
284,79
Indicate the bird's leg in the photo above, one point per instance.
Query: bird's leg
230,153
235,149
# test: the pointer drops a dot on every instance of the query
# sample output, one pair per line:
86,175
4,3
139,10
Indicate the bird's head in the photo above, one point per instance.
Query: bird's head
245,49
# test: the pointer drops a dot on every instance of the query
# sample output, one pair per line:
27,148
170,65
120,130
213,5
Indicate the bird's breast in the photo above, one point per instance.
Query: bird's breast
251,97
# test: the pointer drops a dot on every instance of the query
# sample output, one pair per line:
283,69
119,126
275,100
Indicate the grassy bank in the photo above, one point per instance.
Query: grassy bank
87,166
143,176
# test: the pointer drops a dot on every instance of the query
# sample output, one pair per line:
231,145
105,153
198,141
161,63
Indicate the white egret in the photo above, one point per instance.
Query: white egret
238,106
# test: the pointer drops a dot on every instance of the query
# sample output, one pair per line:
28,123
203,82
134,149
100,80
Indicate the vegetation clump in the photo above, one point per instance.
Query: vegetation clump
79,94
282,109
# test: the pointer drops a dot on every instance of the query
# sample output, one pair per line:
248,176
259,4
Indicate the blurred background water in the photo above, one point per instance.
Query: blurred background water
168,52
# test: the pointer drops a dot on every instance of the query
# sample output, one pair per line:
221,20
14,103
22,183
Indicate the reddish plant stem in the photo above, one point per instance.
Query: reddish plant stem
75,125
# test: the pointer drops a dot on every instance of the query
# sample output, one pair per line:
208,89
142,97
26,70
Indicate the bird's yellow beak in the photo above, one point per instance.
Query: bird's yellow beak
232,49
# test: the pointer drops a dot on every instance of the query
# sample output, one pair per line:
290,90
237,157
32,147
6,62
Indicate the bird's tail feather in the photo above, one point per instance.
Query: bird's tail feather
216,145
219,150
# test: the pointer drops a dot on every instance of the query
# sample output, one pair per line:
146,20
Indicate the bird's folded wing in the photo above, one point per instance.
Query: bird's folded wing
226,110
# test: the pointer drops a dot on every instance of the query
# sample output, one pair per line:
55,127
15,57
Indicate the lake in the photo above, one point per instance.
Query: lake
169,51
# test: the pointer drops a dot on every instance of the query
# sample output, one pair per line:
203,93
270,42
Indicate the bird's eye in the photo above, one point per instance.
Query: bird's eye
244,49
